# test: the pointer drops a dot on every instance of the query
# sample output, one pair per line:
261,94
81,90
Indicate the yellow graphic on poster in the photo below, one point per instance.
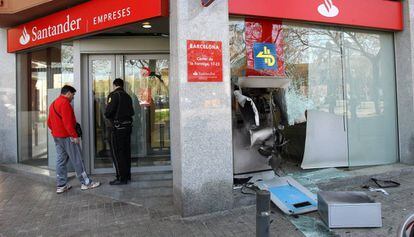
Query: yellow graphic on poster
269,59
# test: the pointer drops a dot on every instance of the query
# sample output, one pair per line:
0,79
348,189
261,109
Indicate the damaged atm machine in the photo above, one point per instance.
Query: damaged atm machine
259,118
295,107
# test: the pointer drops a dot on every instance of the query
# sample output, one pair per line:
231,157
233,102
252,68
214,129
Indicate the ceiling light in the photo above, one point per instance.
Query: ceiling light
146,25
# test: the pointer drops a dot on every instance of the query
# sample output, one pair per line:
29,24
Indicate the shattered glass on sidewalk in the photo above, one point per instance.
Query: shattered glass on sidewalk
312,178
311,227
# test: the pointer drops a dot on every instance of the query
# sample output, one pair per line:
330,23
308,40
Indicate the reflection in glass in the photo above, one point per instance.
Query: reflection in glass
313,63
370,90
346,73
237,43
349,73
147,82
39,71
67,64
102,77
33,110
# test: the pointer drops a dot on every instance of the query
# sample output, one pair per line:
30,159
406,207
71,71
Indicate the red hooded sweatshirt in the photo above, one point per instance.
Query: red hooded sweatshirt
62,124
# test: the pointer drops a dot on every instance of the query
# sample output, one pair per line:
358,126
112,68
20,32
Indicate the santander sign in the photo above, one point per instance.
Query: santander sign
373,14
83,19
328,9
38,33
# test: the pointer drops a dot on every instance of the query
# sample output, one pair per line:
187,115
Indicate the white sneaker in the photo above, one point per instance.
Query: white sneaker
63,189
90,186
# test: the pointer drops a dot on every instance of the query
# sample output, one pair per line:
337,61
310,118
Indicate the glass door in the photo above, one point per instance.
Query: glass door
369,75
101,73
147,82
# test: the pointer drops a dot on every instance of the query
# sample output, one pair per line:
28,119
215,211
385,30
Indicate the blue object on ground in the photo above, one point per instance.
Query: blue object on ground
293,198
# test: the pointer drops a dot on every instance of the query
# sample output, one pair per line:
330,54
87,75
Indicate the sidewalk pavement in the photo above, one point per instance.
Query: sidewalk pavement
145,208
30,208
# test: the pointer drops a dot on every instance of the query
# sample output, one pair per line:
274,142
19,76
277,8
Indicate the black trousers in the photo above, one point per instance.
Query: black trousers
121,152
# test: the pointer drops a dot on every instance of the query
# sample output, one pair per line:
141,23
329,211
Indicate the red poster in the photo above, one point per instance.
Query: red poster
86,18
381,14
204,61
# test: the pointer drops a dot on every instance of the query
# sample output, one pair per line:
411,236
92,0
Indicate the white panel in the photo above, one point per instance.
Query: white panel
326,141
355,215
120,45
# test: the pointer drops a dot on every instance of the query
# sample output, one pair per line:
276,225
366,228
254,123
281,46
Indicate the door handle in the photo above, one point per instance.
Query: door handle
344,121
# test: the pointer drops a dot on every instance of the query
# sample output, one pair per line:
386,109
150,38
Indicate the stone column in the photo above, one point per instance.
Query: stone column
201,148
8,105
404,52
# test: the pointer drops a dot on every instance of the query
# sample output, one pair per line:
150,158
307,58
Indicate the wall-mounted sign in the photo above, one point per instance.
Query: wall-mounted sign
380,14
86,18
206,3
265,56
264,40
204,61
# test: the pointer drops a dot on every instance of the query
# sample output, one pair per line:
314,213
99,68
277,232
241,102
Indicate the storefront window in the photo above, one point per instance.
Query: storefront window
33,129
39,72
369,76
345,74
67,64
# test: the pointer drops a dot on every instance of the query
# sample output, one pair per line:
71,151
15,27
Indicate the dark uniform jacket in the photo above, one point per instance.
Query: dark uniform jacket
119,106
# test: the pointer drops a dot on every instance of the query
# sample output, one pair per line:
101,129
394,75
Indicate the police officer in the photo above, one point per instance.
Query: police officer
119,112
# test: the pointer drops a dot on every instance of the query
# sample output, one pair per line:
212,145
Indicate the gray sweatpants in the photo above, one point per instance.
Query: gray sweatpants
67,150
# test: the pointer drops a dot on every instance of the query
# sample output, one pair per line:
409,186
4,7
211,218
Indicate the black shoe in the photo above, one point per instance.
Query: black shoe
118,182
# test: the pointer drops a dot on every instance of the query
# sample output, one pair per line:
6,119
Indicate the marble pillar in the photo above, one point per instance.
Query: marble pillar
201,130
404,53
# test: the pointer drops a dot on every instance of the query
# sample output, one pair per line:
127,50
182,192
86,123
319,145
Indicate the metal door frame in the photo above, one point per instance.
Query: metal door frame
91,110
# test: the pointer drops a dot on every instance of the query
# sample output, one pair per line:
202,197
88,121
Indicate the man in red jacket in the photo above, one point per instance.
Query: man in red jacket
62,123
